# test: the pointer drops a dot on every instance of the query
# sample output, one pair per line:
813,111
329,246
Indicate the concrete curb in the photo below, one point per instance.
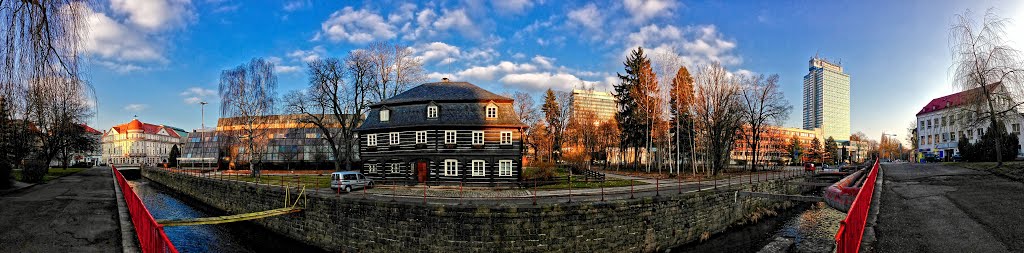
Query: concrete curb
13,190
129,241
867,242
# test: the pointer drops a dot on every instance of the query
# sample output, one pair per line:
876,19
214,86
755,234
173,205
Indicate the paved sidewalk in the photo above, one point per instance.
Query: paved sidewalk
75,213
939,208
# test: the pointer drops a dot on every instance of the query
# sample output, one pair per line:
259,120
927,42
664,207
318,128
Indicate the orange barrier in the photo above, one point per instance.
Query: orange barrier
851,229
151,234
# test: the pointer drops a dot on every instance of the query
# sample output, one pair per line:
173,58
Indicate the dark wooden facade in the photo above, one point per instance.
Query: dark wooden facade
462,108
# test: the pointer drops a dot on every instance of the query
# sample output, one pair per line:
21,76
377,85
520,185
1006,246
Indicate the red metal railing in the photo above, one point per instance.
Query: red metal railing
851,229
151,234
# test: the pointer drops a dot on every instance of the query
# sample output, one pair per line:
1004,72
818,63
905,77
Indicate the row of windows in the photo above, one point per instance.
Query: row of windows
394,138
951,136
432,112
451,168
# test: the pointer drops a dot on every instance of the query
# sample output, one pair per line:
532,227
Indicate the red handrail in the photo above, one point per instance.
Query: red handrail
151,234
851,229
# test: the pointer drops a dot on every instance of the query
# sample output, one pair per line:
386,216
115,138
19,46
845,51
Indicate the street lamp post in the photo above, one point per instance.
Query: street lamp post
202,115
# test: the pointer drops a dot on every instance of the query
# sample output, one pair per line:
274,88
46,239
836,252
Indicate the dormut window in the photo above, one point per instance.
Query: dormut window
421,137
371,140
449,137
492,111
394,138
394,168
506,138
385,115
478,168
478,137
432,111
505,168
371,168
451,167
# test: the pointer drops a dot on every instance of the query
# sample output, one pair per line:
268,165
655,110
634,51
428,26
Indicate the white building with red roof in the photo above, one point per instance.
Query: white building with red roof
136,143
939,128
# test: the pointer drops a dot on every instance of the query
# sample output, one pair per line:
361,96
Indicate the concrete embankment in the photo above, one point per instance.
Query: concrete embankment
378,224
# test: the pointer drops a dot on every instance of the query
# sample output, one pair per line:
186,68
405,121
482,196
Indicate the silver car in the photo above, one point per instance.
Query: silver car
350,180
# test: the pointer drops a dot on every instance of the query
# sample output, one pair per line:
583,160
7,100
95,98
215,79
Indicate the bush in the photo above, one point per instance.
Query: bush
34,171
542,171
984,150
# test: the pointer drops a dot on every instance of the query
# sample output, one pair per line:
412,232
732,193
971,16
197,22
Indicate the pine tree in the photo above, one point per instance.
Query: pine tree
830,150
553,115
794,148
630,116
814,152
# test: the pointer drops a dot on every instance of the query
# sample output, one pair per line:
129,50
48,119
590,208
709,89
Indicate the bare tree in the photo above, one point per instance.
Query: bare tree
394,70
764,105
39,58
989,70
247,95
718,113
526,110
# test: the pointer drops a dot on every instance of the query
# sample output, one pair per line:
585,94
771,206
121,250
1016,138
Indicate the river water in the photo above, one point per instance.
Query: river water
244,236
810,226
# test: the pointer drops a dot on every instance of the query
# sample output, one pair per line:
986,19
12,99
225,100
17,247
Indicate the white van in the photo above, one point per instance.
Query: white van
349,180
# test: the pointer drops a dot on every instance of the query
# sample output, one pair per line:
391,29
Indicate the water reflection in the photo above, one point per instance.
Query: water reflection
811,227
163,203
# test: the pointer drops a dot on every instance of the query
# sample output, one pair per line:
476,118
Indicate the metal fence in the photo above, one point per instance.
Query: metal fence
150,233
851,229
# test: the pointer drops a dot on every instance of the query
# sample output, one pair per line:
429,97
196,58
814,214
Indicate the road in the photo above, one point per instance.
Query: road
940,208
75,213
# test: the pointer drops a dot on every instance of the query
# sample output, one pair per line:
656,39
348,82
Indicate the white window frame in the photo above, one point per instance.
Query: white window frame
506,138
394,168
432,112
450,137
421,137
451,167
481,139
505,168
395,138
371,168
478,167
371,140
385,115
491,111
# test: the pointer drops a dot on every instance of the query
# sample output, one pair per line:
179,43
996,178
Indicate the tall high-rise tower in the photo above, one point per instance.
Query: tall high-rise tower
827,99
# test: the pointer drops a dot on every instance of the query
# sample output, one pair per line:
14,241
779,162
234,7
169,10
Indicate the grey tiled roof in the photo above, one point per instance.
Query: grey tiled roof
460,104
444,91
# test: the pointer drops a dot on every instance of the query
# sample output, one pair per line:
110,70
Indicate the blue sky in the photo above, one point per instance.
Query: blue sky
158,58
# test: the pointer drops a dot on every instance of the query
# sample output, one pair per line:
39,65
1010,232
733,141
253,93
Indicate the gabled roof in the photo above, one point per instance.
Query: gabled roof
444,92
90,129
951,100
147,128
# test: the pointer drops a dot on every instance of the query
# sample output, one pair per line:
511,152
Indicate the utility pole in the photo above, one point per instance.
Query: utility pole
202,115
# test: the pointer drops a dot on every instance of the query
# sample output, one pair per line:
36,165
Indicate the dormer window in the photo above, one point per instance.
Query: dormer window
385,115
492,111
432,111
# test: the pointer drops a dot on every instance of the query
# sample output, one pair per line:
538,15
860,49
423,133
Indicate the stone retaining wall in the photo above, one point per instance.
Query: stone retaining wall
368,225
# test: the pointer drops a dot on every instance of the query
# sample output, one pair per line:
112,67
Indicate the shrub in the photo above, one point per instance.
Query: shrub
984,150
542,171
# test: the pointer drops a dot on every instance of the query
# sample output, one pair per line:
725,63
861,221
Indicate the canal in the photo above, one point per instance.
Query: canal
808,227
245,236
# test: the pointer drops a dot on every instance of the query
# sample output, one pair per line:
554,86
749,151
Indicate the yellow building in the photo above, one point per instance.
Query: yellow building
136,143
602,104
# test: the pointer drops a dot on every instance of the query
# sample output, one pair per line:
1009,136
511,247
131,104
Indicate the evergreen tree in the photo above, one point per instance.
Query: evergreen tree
814,152
172,158
794,149
553,115
629,115
830,151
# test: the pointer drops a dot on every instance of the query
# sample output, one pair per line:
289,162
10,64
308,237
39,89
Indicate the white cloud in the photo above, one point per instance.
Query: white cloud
308,55
194,95
544,62
108,39
526,76
437,52
135,107
280,67
643,10
511,6
458,20
295,5
694,45
518,56
155,14
481,55
357,27
588,16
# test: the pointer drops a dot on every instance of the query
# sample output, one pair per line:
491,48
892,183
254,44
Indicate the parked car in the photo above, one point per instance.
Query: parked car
809,166
350,180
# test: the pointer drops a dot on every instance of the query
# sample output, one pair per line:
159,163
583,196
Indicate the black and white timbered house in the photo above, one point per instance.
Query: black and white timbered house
442,133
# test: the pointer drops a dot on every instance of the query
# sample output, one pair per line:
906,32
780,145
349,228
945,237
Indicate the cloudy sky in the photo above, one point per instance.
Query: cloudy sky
158,58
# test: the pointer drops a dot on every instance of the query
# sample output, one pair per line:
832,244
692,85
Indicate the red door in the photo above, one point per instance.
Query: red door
421,171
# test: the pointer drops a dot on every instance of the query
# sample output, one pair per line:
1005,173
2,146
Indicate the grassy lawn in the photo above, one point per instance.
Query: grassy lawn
1013,170
579,182
310,181
52,174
